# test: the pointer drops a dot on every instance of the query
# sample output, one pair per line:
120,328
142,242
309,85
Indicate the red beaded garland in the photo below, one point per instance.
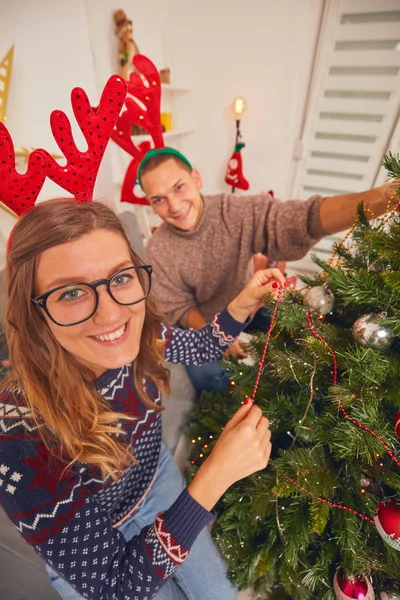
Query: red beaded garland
272,325
324,500
343,410
259,373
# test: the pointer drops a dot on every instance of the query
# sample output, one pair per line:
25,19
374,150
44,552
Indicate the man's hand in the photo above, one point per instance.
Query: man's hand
339,212
390,188
237,350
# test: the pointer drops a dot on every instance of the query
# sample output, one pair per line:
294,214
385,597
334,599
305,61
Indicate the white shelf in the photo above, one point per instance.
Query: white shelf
170,87
168,134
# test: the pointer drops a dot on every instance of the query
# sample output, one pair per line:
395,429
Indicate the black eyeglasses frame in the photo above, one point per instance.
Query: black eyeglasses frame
41,301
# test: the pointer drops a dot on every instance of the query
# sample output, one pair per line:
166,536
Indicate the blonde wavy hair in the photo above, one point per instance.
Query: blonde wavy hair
73,419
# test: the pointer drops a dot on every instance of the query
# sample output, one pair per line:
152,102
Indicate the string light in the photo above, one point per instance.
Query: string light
342,242
324,500
389,210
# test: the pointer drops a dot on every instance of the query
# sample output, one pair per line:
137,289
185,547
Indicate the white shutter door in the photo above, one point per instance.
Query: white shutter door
353,106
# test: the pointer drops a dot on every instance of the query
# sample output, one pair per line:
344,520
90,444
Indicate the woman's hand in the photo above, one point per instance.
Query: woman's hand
243,448
262,285
236,350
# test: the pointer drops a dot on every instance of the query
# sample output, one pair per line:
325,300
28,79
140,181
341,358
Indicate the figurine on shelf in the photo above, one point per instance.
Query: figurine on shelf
165,76
127,47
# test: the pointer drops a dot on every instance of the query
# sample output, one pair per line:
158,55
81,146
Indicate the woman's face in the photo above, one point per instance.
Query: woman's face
96,255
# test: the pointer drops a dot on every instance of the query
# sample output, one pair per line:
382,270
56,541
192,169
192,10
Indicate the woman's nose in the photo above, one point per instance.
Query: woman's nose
108,310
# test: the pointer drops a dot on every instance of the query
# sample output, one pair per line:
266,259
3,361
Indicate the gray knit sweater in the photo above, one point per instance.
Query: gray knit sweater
206,268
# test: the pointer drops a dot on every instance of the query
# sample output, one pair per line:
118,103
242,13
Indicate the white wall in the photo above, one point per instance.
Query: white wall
52,55
260,49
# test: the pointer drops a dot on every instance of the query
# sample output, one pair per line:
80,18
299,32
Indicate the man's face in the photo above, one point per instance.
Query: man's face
174,194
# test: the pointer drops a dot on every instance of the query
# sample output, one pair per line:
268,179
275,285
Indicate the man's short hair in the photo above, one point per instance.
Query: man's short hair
158,156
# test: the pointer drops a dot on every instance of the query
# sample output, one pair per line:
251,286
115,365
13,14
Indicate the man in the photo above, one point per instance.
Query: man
200,253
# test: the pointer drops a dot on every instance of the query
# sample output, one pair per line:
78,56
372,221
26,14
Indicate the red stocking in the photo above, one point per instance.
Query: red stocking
234,172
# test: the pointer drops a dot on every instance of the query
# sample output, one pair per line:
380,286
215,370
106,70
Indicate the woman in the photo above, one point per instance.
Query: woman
84,475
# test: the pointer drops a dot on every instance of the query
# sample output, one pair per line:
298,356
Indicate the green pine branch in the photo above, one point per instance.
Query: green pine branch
278,538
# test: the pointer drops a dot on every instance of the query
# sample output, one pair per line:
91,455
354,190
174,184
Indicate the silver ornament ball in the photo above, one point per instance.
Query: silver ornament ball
389,596
365,482
371,330
319,299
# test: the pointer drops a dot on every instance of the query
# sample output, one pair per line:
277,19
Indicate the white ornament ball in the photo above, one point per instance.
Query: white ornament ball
138,190
319,299
358,588
370,330
365,482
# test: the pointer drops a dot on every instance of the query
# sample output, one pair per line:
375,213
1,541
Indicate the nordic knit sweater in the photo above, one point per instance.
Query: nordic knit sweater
70,517
206,268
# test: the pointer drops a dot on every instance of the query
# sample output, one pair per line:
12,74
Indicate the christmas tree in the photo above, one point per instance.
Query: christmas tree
323,520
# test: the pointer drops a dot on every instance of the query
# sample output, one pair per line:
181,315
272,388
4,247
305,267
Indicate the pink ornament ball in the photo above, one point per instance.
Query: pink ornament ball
357,588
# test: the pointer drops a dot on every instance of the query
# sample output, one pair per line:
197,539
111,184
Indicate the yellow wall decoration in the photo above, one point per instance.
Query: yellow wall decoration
5,77
166,121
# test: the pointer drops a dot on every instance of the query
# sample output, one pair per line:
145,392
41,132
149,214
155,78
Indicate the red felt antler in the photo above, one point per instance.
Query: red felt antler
122,136
131,190
19,191
148,92
142,109
78,176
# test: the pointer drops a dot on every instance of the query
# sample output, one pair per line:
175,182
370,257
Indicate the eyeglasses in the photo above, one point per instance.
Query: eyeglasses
75,303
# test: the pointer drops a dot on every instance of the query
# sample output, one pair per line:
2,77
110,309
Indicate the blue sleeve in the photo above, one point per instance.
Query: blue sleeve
66,525
196,347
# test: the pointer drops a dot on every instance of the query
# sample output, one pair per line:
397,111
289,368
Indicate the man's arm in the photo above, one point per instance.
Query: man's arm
338,212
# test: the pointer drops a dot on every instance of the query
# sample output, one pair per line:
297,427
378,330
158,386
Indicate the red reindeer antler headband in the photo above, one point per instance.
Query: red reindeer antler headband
19,192
78,176
142,109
